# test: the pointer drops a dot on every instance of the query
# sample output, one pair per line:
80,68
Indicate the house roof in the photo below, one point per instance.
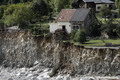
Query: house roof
65,15
69,15
80,14
100,1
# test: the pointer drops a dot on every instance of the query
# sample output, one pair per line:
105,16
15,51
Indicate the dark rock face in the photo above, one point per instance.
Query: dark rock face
21,49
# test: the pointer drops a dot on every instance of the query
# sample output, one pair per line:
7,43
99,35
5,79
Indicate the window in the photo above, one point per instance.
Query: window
98,7
63,27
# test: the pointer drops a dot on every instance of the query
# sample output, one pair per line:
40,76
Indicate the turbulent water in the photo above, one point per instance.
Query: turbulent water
20,49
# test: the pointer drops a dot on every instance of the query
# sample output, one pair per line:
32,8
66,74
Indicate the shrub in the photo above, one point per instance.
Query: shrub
96,29
73,34
80,36
118,29
35,30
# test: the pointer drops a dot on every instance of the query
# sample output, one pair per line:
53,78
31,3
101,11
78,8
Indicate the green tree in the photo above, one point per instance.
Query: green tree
109,28
96,28
2,9
73,34
61,4
118,29
80,36
40,8
105,11
16,14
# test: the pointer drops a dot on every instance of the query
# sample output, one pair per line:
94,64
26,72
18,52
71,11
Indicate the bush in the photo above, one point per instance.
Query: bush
35,30
118,29
80,36
73,34
109,27
96,29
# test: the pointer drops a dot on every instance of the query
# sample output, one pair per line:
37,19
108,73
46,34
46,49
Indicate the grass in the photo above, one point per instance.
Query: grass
96,43
42,25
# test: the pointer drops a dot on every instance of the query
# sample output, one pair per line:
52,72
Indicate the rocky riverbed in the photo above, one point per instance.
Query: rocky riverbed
38,72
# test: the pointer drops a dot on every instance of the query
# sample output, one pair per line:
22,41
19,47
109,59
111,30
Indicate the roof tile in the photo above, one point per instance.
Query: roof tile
66,15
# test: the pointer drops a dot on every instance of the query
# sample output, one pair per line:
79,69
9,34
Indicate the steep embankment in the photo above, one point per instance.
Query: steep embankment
19,49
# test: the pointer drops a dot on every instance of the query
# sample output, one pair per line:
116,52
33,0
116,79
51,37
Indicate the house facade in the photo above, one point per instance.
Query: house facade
93,4
70,19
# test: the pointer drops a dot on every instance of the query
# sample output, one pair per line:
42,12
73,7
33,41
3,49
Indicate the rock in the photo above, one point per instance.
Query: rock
36,62
59,77
91,79
33,69
10,79
20,74
23,69
39,71
35,74
67,77
29,75
34,78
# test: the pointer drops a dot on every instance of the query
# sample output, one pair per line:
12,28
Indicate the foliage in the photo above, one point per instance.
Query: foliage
16,14
40,8
105,11
80,36
4,2
61,4
1,25
117,4
96,31
109,28
118,29
2,8
73,34
35,30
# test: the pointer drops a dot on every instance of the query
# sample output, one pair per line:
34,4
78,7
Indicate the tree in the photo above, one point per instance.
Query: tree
117,4
40,8
61,4
118,29
2,9
80,36
109,28
16,14
73,34
21,15
105,11
96,28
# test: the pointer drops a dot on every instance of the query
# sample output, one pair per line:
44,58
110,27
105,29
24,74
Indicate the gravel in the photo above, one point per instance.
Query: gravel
43,74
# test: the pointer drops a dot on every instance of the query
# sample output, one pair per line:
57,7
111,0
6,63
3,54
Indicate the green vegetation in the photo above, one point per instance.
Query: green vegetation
117,4
80,36
104,12
73,34
16,14
96,43
96,28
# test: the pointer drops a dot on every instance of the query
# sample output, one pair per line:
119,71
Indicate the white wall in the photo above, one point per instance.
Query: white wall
54,26
58,25
100,5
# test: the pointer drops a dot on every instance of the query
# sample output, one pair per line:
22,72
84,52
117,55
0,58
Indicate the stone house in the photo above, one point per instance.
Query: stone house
93,4
70,19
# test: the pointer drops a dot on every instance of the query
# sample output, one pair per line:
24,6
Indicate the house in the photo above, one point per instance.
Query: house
93,4
70,19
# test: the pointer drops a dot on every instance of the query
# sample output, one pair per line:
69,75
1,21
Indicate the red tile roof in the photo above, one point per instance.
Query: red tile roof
66,15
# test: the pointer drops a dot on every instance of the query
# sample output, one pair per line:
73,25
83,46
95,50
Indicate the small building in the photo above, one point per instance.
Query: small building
70,19
93,4
13,28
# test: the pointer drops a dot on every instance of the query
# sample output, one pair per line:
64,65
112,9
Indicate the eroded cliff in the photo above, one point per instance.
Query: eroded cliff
19,49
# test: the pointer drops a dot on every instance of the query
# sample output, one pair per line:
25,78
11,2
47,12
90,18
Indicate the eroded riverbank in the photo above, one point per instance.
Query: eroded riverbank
21,49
